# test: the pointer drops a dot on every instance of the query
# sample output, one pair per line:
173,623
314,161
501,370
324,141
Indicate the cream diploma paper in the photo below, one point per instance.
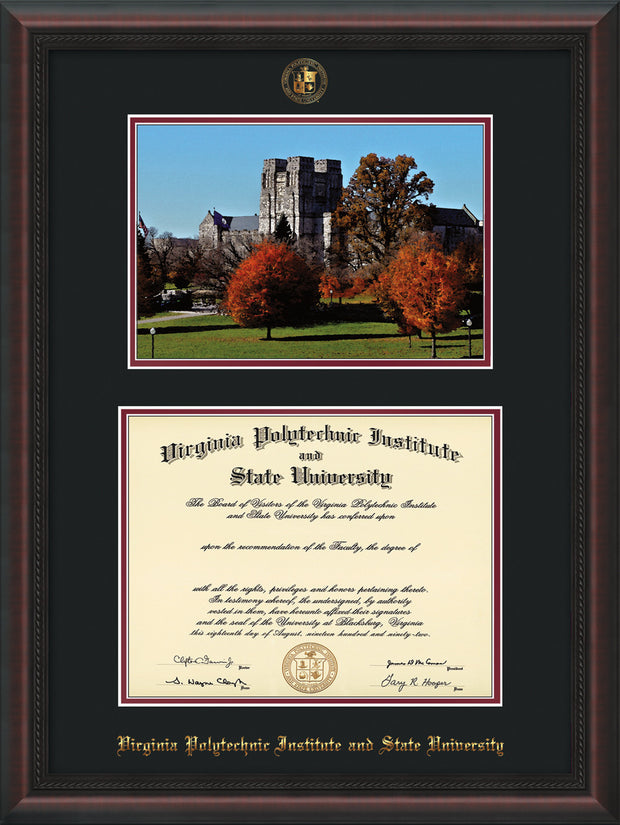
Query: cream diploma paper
326,557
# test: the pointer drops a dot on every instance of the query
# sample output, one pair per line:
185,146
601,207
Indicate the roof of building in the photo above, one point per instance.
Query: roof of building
245,222
444,216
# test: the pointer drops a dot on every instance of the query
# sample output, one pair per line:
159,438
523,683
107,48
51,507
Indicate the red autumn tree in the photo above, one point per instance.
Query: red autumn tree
427,286
274,287
330,284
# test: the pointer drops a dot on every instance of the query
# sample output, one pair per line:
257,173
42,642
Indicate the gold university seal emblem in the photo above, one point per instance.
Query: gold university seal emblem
304,80
309,668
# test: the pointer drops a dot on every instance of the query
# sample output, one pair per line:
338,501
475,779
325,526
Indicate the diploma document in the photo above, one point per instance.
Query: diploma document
322,556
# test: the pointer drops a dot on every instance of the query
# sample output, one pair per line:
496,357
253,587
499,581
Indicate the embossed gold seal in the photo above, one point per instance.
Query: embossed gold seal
304,80
309,668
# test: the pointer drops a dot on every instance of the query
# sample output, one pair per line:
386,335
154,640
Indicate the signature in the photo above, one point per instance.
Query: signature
238,683
205,660
391,682
420,663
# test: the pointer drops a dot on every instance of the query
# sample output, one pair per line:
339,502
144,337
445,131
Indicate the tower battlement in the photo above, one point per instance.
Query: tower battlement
332,166
302,190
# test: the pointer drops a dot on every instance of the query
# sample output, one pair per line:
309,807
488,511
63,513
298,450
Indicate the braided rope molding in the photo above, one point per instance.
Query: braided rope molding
578,363
308,782
303,40
40,421
42,43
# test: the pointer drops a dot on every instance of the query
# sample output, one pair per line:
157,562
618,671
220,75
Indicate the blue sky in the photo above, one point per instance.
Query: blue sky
183,171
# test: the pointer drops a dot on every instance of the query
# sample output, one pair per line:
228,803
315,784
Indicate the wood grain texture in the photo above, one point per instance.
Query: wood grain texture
589,32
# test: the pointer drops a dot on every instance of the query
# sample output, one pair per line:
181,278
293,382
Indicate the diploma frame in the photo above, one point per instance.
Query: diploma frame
588,31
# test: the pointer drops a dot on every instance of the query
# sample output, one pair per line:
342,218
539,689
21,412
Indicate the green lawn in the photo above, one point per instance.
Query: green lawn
217,336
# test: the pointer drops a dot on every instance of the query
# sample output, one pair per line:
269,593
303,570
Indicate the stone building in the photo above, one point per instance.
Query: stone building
455,226
305,192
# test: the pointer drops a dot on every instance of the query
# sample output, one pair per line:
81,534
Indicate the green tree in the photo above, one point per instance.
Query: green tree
273,287
384,197
283,232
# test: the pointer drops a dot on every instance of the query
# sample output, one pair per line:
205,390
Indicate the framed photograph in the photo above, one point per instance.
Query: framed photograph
240,584
346,218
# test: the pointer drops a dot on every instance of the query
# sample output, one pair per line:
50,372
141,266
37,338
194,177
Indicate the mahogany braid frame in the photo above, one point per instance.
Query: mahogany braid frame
589,31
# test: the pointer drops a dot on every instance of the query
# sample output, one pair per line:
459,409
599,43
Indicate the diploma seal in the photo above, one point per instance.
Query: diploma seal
309,667
304,80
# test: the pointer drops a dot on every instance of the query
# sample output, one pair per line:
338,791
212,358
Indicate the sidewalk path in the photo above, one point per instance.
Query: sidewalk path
172,316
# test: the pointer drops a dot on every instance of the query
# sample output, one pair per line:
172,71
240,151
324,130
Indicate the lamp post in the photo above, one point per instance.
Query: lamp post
468,323
153,331
331,295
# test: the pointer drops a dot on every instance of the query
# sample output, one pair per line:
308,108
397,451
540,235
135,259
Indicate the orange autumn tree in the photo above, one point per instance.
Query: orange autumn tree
427,287
273,287
469,256
385,196
340,285
392,309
